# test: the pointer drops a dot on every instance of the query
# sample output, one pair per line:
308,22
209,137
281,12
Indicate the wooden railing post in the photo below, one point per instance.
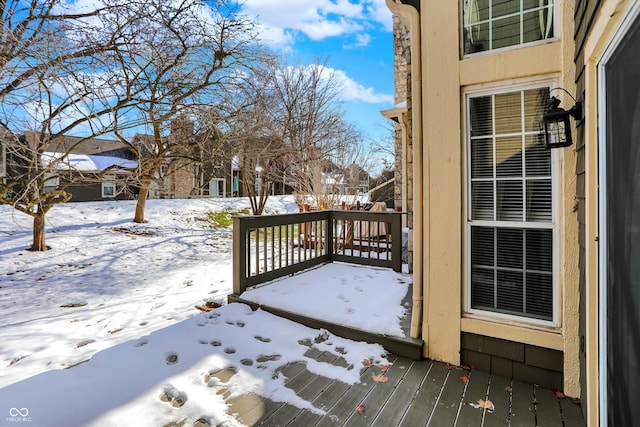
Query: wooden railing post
329,235
396,239
239,256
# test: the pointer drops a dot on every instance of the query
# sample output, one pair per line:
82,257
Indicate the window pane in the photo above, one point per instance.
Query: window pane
510,247
482,200
509,201
535,104
482,244
482,289
506,32
539,200
537,158
540,295
510,291
539,250
481,116
482,158
476,38
508,113
504,7
509,156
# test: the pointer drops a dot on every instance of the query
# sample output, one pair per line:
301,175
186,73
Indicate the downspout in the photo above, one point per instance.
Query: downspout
411,14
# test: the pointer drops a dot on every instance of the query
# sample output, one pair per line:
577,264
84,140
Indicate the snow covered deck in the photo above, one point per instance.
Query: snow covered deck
354,301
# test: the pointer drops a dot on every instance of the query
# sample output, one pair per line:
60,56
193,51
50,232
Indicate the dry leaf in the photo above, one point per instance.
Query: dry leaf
467,367
360,409
367,362
486,404
380,378
384,368
449,367
559,394
464,379
508,389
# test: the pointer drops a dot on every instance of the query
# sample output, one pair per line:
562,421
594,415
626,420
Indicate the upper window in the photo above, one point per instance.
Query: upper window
510,193
494,24
109,187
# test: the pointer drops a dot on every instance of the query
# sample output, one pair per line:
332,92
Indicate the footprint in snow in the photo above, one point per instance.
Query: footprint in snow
229,350
142,341
171,358
223,376
173,396
262,339
216,343
268,358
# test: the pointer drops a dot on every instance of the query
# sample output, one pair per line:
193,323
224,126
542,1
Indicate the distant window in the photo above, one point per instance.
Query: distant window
52,182
109,188
494,24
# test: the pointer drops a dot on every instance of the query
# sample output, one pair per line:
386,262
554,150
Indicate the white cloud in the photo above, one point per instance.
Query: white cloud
317,19
354,91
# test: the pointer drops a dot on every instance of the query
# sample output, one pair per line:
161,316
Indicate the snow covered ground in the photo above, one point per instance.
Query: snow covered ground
121,297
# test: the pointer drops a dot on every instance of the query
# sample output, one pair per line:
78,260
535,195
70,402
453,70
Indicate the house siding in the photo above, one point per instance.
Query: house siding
584,16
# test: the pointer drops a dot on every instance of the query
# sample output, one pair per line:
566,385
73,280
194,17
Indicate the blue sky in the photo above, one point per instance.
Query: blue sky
356,37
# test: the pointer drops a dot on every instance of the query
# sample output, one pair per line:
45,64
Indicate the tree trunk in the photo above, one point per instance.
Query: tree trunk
38,233
140,205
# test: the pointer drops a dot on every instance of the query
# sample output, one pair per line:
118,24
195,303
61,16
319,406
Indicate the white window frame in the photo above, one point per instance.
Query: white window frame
109,182
508,87
555,28
224,187
51,183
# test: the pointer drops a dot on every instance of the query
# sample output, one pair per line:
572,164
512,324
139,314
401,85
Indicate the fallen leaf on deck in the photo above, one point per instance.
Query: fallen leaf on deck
367,362
486,404
384,368
559,394
467,367
380,378
449,367
508,389
360,409
464,379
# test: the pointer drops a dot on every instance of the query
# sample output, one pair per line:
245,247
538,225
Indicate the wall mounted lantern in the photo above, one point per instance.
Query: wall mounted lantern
557,127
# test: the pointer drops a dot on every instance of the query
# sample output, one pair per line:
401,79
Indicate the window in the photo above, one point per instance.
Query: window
217,187
51,183
510,186
494,24
109,187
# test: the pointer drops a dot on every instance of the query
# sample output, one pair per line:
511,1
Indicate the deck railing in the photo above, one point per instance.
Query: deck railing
268,247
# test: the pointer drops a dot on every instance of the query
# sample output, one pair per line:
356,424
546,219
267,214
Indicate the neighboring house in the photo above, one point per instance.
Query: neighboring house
526,261
88,169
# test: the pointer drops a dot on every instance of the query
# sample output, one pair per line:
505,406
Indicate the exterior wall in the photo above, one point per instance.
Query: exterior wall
441,196
585,13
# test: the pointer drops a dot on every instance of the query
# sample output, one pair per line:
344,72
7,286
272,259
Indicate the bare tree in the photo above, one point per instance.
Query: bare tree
186,53
53,75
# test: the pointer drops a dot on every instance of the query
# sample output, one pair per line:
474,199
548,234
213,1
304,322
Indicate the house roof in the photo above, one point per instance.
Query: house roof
87,163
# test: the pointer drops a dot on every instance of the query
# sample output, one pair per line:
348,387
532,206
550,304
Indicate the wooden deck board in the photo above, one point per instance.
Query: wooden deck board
379,395
547,407
420,410
571,413
448,403
500,395
348,403
470,414
406,391
522,407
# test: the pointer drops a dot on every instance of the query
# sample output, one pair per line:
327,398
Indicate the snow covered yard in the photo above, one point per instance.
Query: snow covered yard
123,296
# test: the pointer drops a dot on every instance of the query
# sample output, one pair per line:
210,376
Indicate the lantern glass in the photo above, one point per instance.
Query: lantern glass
557,129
